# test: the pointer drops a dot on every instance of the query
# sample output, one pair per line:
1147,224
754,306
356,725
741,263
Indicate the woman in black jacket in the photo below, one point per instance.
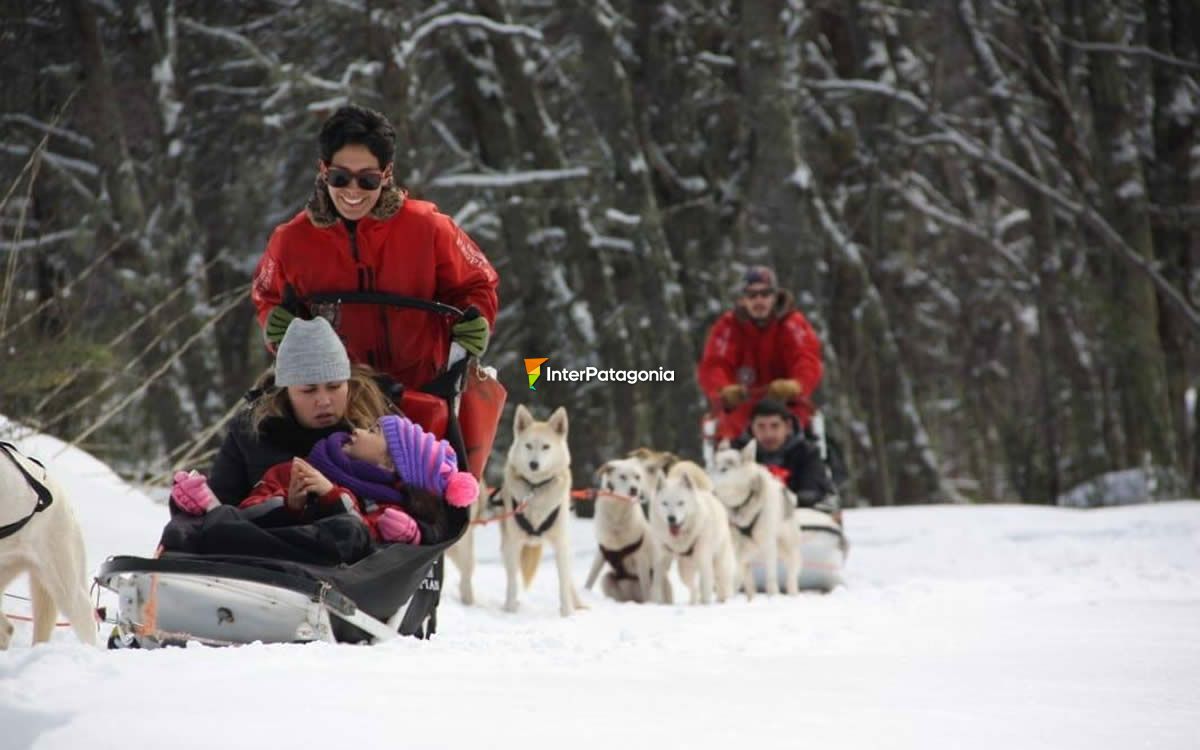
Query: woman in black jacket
283,423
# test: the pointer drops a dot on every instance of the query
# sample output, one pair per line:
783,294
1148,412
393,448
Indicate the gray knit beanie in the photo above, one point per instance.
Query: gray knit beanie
311,353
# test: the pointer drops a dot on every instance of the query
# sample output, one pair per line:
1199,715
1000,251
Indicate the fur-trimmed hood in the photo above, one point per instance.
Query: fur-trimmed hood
322,214
785,303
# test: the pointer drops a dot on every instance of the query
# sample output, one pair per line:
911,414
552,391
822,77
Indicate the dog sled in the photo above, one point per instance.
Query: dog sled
236,599
824,546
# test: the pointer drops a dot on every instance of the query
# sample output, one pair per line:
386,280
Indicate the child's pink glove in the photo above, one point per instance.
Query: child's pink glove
397,526
191,493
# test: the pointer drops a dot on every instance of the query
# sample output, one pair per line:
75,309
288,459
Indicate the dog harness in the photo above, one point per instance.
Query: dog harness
520,518
747,531
616,558
44,498
527,527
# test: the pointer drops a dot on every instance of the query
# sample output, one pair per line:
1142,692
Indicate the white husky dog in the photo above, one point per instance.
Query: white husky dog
537,492
689,524
622,532
761,517
48,545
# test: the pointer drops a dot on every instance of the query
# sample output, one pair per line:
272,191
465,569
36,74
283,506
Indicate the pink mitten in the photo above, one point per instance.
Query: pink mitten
191,493
397,526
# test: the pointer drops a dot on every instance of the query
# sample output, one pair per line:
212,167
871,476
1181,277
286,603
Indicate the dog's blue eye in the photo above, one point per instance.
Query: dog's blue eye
529,446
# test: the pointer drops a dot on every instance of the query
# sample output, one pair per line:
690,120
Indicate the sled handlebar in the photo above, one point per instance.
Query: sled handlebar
391,300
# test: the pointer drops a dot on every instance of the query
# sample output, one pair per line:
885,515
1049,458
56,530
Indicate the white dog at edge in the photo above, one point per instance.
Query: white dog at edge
689,524
537,492
761,516
49,547
622,532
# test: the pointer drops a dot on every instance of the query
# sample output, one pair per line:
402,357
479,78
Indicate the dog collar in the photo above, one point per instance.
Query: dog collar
744,503
535,487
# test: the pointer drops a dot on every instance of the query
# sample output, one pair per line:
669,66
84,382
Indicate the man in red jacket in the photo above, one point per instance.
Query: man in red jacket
359,232
763,348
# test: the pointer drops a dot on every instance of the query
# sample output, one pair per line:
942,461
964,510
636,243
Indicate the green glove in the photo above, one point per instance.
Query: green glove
277,324
472,335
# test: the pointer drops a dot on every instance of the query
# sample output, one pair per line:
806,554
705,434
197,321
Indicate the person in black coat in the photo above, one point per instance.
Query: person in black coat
283,423
792,455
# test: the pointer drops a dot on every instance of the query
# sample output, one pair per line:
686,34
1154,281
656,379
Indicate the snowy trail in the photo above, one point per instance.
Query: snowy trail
981,627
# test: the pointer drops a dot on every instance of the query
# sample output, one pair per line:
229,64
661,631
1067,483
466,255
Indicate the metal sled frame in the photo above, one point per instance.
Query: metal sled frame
172,601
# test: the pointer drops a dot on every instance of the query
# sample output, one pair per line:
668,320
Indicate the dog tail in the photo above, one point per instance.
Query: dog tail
530,557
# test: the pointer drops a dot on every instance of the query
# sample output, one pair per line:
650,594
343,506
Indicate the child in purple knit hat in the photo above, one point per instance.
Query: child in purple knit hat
398,473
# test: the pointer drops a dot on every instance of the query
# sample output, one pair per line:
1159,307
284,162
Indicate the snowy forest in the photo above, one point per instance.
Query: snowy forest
987,208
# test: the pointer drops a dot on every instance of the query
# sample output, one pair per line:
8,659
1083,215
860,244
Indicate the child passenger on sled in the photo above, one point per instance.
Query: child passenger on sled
392,481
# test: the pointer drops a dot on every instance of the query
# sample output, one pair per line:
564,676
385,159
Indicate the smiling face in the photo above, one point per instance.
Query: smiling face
352,201
370,446
319,405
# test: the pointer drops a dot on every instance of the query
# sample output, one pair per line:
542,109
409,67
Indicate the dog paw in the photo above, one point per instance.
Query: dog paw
510,606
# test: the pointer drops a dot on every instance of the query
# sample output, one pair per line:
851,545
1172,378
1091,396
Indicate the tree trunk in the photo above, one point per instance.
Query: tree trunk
1135,347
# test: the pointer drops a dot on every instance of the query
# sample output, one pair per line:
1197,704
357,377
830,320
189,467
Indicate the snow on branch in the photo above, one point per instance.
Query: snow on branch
1123,49
917,198
41,239
872,87
403,51
510,179
69,135
238,40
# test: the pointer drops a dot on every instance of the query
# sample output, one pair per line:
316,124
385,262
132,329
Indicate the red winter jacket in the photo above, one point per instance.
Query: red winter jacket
740,351
403,247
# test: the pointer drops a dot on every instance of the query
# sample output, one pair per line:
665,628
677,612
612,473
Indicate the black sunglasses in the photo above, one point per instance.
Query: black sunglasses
759,293
368,179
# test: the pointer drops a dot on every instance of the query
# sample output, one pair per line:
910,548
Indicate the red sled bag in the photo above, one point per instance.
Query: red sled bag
479,414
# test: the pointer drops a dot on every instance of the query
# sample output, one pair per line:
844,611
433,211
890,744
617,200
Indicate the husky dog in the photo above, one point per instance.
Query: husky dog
689,524
45,541
654,462
622,532
761,517
537,492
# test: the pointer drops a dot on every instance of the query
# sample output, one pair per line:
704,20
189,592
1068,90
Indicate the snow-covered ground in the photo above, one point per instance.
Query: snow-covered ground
962,627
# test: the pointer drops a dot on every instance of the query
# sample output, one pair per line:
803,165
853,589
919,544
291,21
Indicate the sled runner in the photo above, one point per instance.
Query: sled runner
234,599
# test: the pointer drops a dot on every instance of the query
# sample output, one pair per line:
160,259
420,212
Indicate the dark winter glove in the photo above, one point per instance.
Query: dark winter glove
784,390
732,395
472,334
277,324
281,316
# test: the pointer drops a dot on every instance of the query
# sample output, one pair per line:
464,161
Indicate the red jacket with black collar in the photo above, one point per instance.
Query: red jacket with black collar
404,246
